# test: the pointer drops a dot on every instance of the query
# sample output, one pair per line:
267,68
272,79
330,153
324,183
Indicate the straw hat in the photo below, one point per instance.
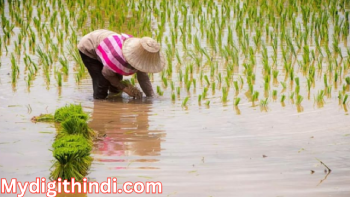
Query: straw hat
143,54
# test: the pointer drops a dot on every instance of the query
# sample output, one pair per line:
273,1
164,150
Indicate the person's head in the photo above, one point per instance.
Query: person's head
143,54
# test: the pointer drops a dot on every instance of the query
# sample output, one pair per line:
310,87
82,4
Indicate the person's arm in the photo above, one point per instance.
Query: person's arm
145,83
112,78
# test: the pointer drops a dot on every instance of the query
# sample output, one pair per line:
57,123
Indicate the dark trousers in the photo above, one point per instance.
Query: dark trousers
99,83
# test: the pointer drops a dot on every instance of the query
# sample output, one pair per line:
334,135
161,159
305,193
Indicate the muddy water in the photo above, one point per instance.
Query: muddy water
196,152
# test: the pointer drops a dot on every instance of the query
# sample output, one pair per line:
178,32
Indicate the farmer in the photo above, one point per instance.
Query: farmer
109,56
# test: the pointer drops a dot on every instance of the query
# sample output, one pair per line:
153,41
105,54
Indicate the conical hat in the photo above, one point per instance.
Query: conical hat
143,54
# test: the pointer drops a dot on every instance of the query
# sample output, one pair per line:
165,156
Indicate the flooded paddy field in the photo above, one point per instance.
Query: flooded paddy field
253,97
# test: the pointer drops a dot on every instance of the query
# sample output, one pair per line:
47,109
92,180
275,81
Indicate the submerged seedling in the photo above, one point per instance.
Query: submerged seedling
237,100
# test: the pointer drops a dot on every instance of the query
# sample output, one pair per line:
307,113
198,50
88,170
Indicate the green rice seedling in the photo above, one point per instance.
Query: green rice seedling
178,90
188,85
340,97
345,99
347,80
299,100
224,94
291,96
227,80
204,94
173,97
284,86
325,80
159,91
264,102
207,103
64,64
329,91
59,79
73,160
67,111
235,83
275,74
297,90
255,96
172,85
206,79
165,82
274,94
213,86
283,97
297,81
184,102
199,99
180,75
320,98
237,100
336,75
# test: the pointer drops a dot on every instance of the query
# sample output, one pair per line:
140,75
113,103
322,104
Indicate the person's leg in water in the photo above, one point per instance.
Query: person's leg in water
99,83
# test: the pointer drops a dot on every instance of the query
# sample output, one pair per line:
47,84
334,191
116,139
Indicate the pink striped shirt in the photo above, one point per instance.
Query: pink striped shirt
110,53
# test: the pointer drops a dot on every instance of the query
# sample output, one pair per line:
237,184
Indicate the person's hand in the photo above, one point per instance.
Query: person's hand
133,92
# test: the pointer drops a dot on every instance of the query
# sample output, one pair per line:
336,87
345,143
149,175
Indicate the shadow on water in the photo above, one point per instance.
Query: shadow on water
124,130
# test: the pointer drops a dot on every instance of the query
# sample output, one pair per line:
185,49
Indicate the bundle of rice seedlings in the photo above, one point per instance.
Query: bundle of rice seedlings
72,153
75,126
67,111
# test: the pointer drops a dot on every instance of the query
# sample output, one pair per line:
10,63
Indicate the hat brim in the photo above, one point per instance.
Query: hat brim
140,59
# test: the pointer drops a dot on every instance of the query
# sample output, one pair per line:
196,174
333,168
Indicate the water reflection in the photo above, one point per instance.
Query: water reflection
125,130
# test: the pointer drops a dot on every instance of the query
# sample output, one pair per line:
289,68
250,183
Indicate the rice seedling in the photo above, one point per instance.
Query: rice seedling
165,82
178,90
345,99
59,79
283,97
274,94
173,97
264,104
347,80
299,100
204,94
199,99
224,94
207,103
237,100
184,102
64,64
159,91
206,79
320,98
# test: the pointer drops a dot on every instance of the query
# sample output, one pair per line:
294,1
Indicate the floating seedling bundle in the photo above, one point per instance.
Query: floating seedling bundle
73,142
